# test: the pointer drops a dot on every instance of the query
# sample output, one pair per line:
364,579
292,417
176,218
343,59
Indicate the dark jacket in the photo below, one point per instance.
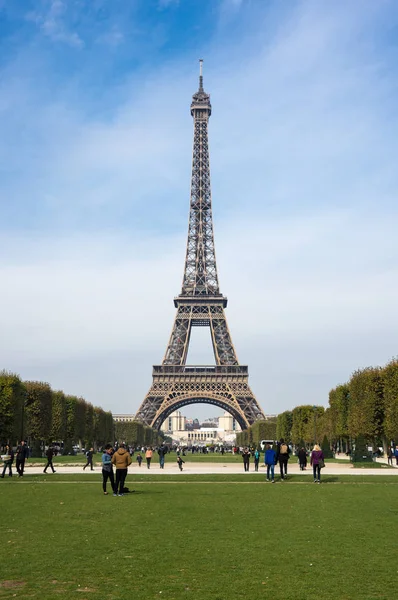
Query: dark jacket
302,456
22,452
50,454
162,450
246,456
282,455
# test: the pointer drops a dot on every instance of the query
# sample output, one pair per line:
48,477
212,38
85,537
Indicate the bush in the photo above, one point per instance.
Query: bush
361,453
327,452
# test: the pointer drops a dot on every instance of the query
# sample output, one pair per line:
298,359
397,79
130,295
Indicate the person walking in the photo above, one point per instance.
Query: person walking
8,459
139,459
282,456
89,456
107,469
148,456
256,459
389,455
162,450
270,461
317,461
396,455
246,459
180,462
122,460
50,456
302,458
21,455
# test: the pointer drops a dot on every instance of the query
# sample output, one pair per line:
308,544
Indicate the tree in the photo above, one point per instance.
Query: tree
284,423
366,407
390,387
12,399
39,397
89,425
59,417
339,401
327,452
305,423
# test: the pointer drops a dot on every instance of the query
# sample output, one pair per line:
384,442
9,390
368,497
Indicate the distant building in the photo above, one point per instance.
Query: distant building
123,418
182,432
175,422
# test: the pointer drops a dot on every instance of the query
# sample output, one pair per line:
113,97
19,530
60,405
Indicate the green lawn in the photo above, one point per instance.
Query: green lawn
204,537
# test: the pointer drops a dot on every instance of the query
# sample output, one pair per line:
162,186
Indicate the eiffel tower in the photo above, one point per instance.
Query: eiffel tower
200,304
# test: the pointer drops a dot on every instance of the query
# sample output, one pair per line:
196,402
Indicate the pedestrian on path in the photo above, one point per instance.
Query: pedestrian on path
270,461
180,462
390,456
8,459
139,459
317,460
148,456
396,455
121,459
107,469
50,456
162,451
302,458
89,456
246,459
282,456
21,455
256,459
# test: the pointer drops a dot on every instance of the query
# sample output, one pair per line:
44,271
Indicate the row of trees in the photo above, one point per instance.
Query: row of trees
136,434
32,410
260,430
366,406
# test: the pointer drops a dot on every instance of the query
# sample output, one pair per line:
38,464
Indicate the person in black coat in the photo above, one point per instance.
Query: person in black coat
282,457
162,450
302,457
21,455
50,456
246,459
89,455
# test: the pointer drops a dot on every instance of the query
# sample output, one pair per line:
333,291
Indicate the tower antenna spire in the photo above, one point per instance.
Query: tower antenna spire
201,74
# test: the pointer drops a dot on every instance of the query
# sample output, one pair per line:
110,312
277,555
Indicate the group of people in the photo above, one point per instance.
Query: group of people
121,459
281,456
21,455
162,451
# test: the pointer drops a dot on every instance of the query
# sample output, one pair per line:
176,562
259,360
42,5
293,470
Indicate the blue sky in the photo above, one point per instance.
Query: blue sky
95,156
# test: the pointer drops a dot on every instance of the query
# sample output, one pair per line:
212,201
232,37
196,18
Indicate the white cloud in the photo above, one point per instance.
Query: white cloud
53,23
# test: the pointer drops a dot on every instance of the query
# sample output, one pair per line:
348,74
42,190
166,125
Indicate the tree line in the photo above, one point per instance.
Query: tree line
33,411
364,407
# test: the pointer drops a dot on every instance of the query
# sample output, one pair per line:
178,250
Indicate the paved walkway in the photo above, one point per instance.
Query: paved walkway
193,468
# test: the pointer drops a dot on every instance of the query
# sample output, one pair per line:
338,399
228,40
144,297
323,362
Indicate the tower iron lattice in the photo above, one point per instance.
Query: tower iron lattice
200,304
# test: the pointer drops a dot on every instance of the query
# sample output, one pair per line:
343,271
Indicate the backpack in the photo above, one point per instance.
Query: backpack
284,449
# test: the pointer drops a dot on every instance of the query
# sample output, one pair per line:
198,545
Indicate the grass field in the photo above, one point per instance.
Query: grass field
206,537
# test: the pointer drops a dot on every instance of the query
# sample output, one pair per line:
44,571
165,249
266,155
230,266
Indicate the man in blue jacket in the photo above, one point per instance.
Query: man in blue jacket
269,460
